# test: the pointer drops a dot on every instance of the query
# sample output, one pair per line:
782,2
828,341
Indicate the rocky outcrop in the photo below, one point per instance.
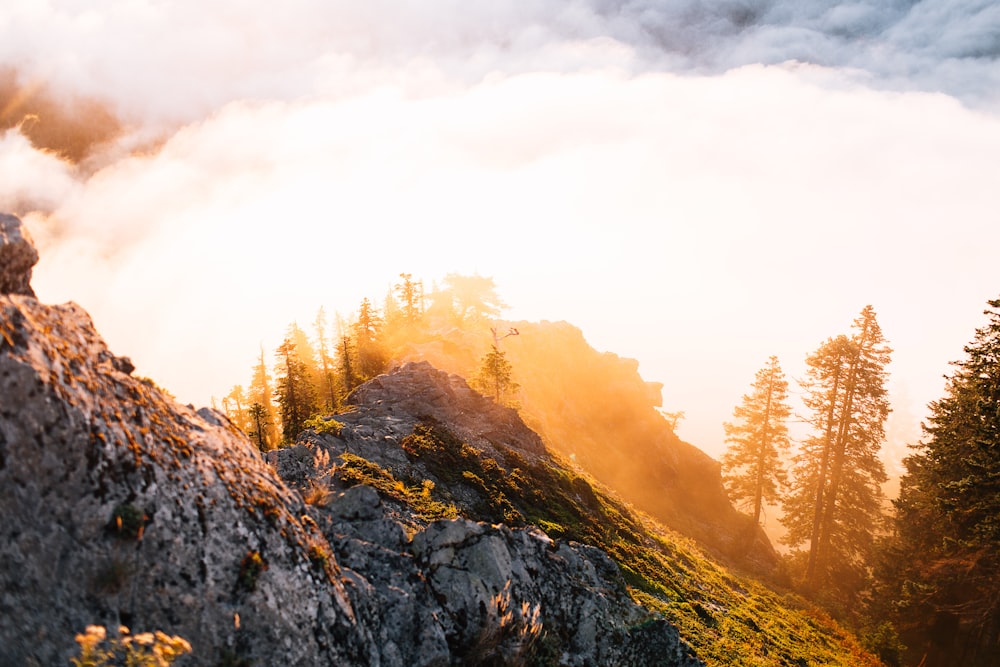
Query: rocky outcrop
17,257
418,390
465,592
122,507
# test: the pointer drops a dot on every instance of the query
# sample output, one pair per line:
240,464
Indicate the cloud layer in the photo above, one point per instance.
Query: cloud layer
698,187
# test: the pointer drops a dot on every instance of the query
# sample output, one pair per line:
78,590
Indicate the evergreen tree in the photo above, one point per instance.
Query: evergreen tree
327,382
257,416
295,391
472,299
943,567
759,436
346,354
260,394
371,356
234,405
836,498
495,377
411,298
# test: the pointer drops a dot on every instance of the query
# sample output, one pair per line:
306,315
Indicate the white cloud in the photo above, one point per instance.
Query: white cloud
593,156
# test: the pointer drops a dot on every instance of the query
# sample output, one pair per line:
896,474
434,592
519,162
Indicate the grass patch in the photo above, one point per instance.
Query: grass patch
419,496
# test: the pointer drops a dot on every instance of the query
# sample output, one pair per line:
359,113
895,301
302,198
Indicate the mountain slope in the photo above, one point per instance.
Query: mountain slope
594,409
122,507
433,448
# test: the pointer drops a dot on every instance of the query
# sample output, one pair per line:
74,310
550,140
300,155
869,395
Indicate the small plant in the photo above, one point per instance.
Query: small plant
251,567
509,632
147,649
128,522
319,555
317,494
324,425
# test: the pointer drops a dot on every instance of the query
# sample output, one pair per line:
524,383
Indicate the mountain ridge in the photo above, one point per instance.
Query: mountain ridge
421,527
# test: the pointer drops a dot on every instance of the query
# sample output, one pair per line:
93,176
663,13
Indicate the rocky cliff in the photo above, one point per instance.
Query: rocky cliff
122,507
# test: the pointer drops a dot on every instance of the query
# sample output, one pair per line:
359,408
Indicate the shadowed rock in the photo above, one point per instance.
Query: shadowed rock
17,256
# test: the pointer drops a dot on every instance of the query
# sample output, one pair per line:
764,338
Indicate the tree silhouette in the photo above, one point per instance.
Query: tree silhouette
755,472
836,497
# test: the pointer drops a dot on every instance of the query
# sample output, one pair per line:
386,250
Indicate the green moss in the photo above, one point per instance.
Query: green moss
419,496
321,424
729,620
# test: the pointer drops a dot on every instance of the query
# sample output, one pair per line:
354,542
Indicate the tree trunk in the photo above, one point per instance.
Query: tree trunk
820,484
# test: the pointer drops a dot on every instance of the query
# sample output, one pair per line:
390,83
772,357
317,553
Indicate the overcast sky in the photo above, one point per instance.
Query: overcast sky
695,185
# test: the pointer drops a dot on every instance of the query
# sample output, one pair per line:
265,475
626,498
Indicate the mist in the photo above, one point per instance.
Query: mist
695,187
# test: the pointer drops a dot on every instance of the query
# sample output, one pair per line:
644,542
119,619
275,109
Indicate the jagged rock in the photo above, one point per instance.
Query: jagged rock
494,593
17,256
122,507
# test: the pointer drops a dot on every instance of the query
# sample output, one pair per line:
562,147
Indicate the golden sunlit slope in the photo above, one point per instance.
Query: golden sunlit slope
493,473
595,409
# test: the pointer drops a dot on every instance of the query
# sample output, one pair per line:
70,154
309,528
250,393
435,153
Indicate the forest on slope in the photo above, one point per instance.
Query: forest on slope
595,410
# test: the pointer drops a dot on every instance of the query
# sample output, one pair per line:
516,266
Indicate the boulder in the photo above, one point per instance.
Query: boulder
17,256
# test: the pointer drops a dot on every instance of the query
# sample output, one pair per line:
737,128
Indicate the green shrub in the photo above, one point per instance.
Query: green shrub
326,425
128,522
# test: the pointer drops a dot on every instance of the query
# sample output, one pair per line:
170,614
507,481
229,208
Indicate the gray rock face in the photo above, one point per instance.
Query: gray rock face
418,390
17,256
123,507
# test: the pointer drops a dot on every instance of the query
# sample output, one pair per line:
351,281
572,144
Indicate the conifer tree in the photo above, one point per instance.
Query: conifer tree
295,391
234,405
472,299
346,354
753,463
411,298
257,417
326,363
495,377
371,357
260,394
944,563
836,497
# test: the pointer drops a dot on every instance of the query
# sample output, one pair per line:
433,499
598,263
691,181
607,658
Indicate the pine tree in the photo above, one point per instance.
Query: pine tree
235,407
260,394
836,497
472,299
944,563
327,383
295,391
753,463
346,354
496,377
411,298
257,416
371,357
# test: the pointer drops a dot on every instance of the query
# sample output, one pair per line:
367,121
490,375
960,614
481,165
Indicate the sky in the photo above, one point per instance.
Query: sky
696,185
